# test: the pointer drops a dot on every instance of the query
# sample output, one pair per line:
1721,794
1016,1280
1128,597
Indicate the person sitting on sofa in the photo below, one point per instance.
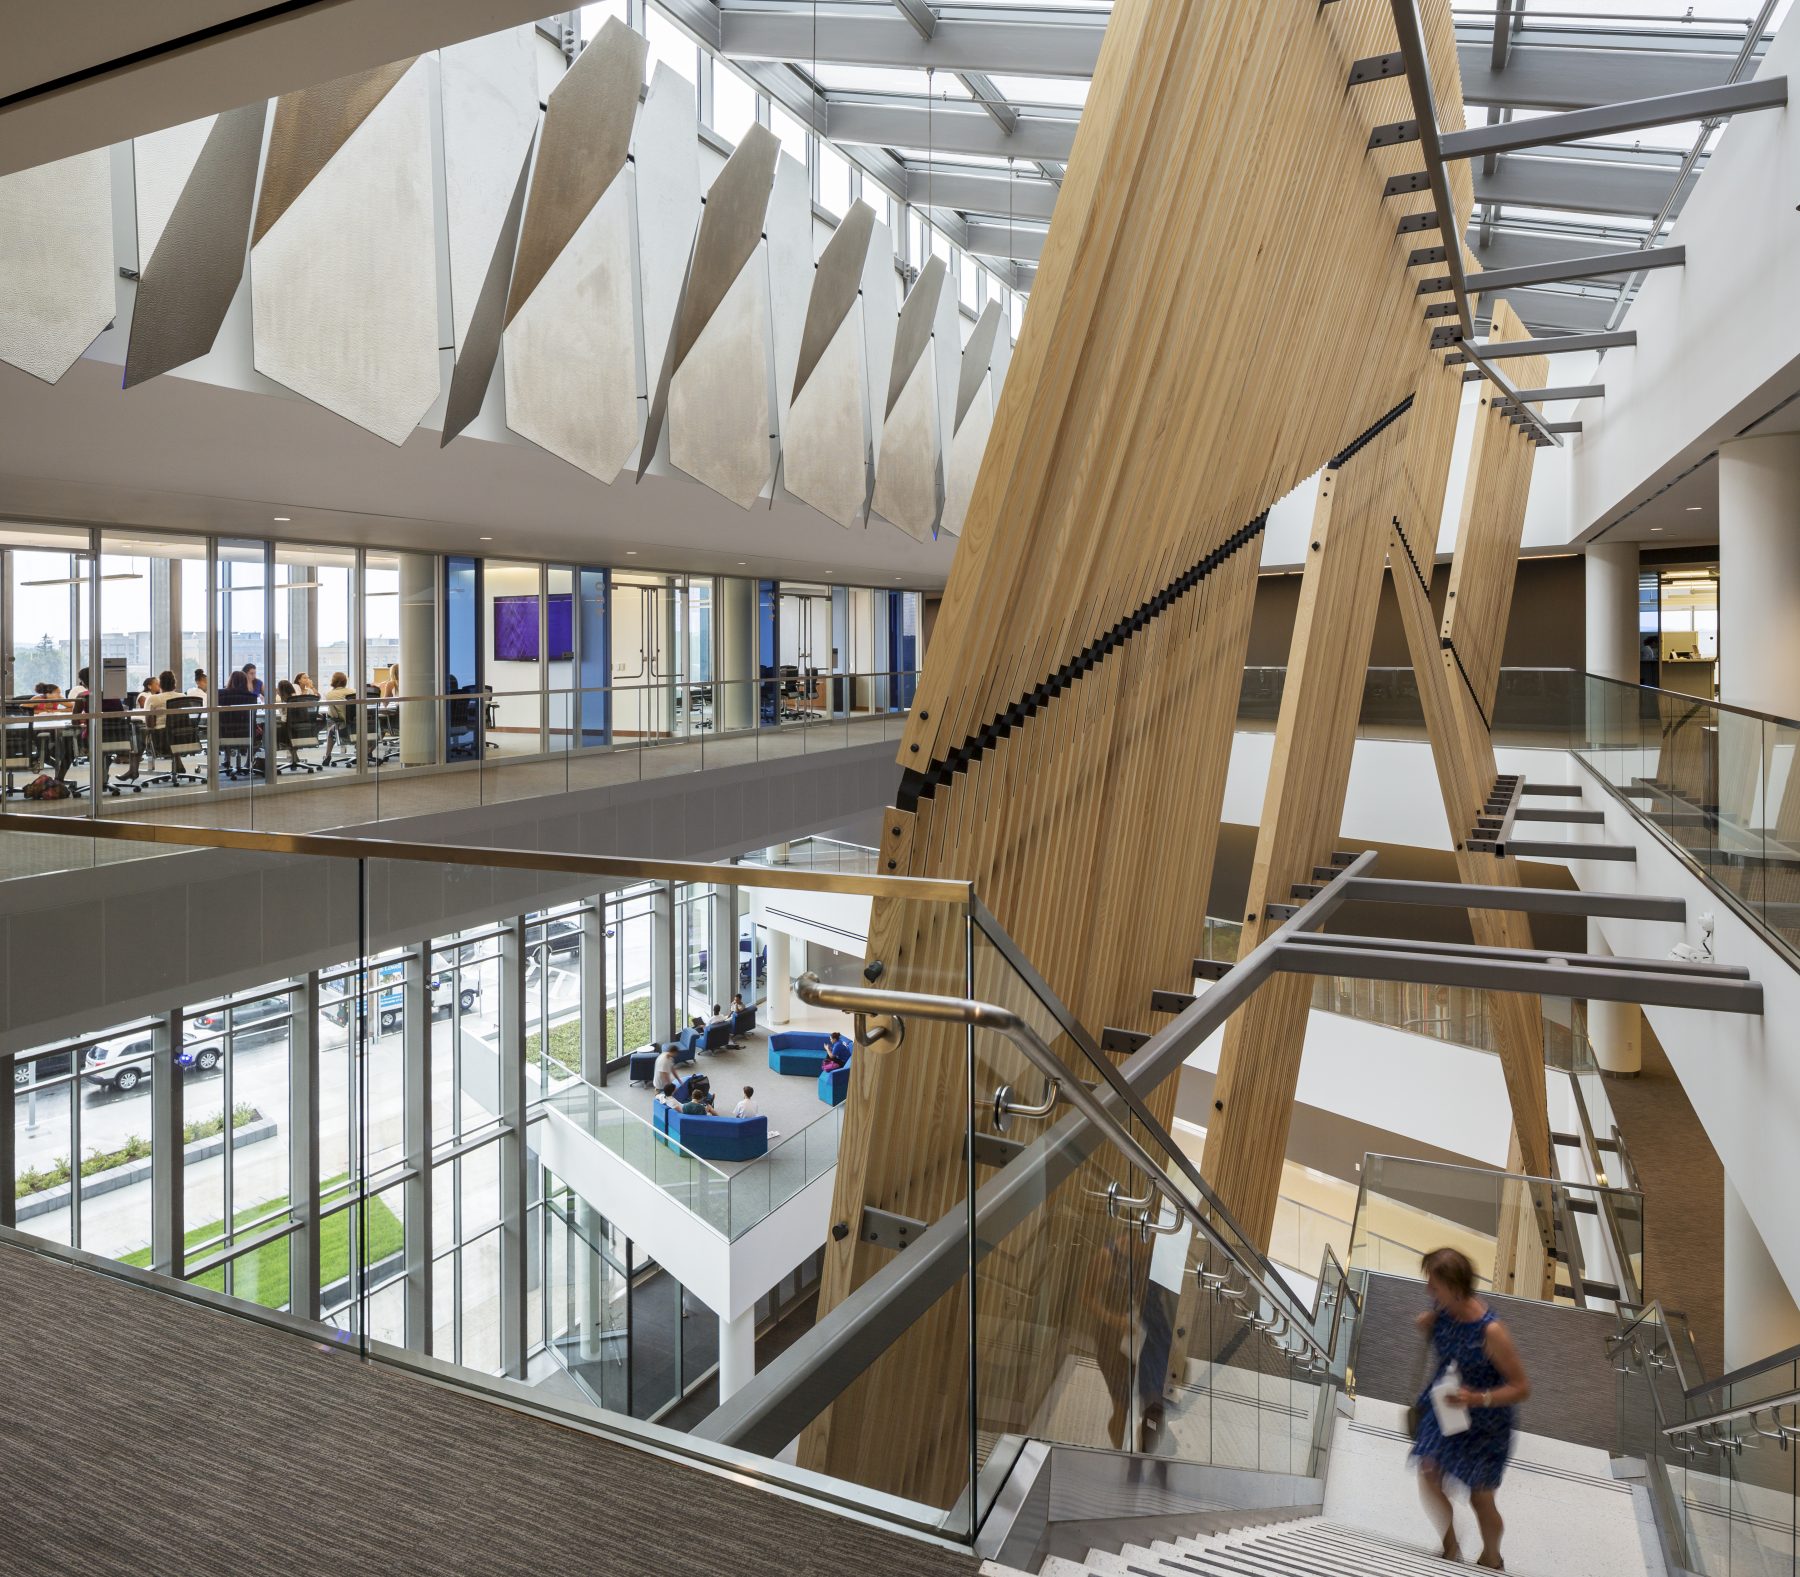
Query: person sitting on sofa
837,1052
698,1102
734,1012
748,1107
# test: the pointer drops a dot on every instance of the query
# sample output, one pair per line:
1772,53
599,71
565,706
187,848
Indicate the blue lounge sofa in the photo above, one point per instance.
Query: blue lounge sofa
798,1052
715,1138
835,1085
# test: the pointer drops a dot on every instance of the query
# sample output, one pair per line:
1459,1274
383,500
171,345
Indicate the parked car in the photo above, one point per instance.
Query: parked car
106,1064
50,1065
390,1004
263,1019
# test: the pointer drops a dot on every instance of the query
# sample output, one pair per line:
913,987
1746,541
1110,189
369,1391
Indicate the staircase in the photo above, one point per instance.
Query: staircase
1288,1549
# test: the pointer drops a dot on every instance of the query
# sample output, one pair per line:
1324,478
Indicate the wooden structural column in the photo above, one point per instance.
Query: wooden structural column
1067,746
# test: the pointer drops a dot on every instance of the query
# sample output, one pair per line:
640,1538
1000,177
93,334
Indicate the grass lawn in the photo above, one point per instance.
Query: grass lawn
262,1275
565,1038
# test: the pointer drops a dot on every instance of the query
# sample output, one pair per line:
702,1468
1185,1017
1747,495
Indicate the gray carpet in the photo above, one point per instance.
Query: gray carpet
166,1440
1573,1386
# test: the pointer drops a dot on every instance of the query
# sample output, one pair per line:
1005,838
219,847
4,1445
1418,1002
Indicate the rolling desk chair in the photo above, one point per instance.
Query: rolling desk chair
297,724
116,738
179,739
18,751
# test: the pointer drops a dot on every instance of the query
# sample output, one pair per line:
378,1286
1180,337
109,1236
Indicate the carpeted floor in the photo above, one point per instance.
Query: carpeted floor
158,1439
1684,1198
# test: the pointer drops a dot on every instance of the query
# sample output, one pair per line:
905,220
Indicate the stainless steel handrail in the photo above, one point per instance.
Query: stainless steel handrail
988,1015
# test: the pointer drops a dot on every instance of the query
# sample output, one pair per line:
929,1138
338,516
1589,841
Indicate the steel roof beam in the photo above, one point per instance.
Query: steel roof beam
917,12
1551,77
990,239
1521,181
982,194
1736,98
950,128
1597,265
1064,48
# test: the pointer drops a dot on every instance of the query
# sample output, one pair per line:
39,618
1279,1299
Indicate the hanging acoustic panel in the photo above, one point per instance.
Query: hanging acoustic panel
196,186
343,266
909,473
488,91
789,230
713,391
56,263
666,157
880,324
825,437
975,396
571,333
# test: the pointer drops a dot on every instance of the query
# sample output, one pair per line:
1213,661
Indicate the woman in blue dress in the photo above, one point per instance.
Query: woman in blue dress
1463,1330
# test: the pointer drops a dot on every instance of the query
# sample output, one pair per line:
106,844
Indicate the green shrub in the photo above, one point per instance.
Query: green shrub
34,1180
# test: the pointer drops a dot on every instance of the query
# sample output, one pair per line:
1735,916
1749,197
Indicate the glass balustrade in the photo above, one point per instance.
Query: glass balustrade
310,762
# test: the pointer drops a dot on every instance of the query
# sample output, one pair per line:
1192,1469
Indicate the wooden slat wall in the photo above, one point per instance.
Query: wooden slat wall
1177,373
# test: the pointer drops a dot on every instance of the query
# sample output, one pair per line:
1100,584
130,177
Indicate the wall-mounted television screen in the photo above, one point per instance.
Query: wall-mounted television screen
516,628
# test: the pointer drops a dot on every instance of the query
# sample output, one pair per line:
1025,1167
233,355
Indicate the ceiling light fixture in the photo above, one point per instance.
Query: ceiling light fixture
282,520
1694,509
78,580
631,553
1656,528
487,539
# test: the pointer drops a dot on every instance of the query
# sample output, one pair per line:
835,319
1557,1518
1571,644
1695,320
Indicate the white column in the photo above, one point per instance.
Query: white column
1760,1315
737,1353
781,979
418,658
1612,610
734,695
1759,573
1615,1028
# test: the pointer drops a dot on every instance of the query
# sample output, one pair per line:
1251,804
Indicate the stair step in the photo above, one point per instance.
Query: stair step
1121,1042
1171,1001
1212,968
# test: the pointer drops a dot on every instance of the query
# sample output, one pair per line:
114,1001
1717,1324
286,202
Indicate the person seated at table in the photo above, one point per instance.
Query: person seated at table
390,686
81,683
78,740
837,1052
285,696
49,698
237,730
303,684
148,688
200,689
254,684
662,1077
340,714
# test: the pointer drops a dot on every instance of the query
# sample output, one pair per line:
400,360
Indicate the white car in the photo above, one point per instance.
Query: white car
106,1064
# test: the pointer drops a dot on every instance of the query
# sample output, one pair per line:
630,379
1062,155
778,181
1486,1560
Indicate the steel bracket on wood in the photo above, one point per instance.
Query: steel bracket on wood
885,1229
1376,68
1121,1042
990,1150
1393,134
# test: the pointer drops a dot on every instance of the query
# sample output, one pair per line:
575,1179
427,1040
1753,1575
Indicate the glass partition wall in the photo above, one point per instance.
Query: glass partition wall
360,664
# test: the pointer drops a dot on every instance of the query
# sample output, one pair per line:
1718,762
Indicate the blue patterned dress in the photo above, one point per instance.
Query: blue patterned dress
1477,1457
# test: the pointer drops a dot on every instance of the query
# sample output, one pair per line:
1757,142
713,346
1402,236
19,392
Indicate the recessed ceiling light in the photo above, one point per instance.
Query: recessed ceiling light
741,563
1656,528
487,539
1693,509
631,553
282,519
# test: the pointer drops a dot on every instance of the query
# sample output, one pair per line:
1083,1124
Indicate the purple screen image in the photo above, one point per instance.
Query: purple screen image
516,628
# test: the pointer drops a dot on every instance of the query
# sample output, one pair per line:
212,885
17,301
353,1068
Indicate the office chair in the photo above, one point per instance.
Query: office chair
115,739
17,752
463,732
178,739
297,724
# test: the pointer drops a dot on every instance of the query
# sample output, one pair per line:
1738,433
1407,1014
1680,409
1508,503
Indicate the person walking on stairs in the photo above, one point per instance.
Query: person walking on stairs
1465,1422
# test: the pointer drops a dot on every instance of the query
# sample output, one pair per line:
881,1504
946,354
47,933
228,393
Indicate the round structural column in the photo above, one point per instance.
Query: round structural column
1611,578
737,1353
1759,573
780,982
418,658
1616,1029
